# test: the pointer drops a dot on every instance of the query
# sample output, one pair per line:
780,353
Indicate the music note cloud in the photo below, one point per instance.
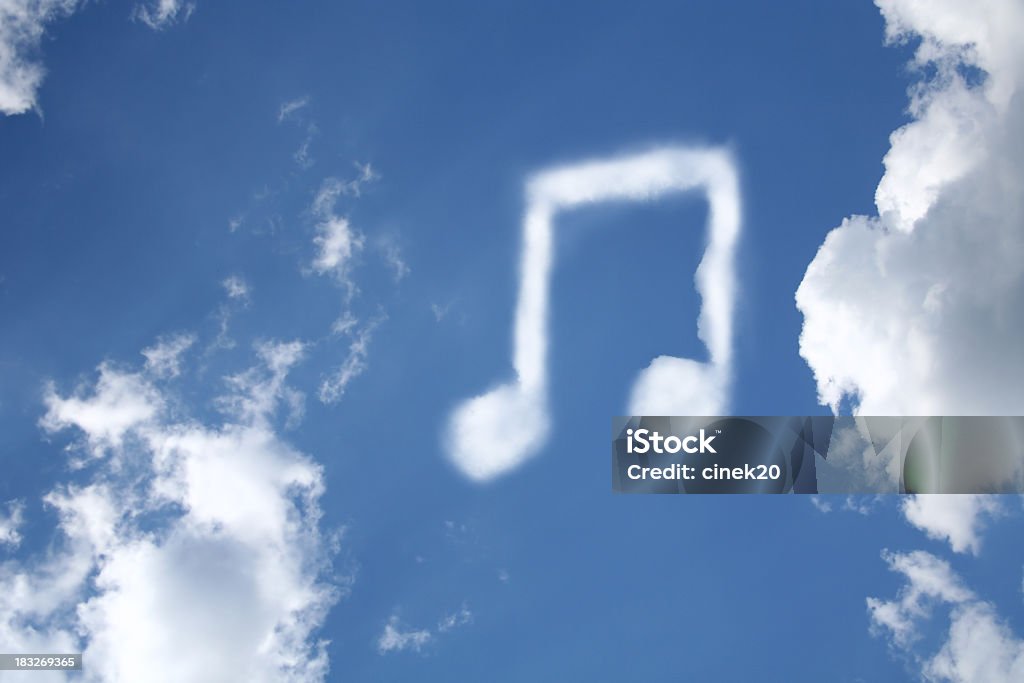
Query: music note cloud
493,433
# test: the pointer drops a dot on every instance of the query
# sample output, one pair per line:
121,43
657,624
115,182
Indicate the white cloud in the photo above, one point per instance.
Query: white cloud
337,242
396,637
119,403
930,581
917,311
979,646
461,617
356,362
236,287
439,311
393,258
10,522
957,519
497,431
159,14
164,359
22,26
215,527
290,107
302,156
821,504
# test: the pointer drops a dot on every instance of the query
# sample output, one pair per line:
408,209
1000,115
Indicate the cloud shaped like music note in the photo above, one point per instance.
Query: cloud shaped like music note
493,433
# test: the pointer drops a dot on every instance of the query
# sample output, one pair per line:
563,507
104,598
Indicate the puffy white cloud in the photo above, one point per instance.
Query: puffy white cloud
930,581
497,431
159,14
10,521
22,25
978,647
957,519
118,404
164,359
213,527
918,310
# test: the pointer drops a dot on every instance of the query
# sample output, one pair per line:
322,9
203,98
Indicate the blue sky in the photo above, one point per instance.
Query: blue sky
156,163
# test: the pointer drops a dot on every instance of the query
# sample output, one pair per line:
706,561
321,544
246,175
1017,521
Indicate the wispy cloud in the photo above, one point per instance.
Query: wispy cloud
22,26
396,637
10,523
336,241
290,107
440,312
333,387
236,287
394,259
495,432
160,14
164,358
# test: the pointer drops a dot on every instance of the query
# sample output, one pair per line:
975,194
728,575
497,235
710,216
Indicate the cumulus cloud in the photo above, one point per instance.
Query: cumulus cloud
213,527
958,519
10,522
917,310
160,14
978,647
22,26
495,432
106,413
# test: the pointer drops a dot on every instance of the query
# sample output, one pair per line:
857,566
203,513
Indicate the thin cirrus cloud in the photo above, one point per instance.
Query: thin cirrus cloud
917,310
160,14
213,526
495,432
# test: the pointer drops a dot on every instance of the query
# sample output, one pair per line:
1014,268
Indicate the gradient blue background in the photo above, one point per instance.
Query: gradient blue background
115,204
